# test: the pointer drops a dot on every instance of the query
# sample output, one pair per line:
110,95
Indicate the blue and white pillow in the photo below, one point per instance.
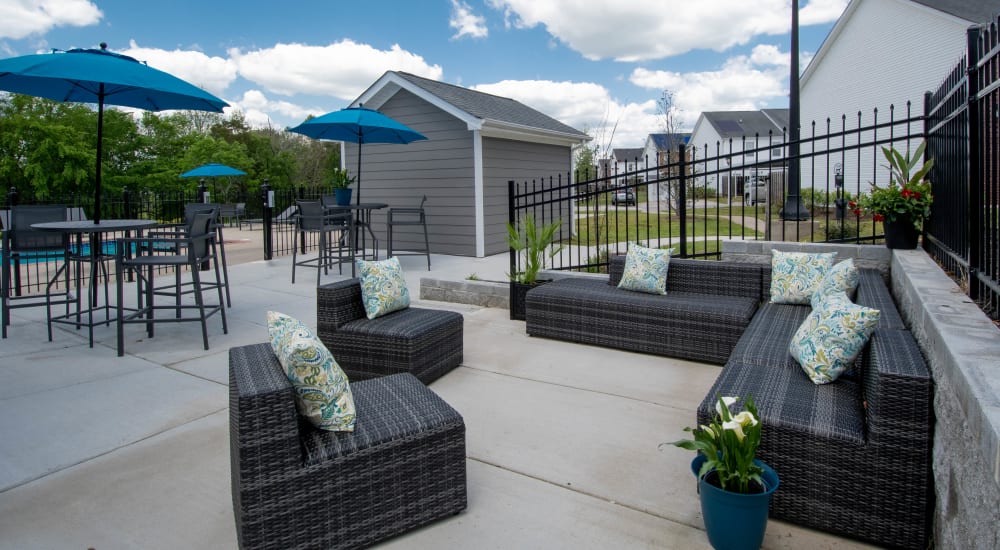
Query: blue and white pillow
832,336
842,277
322,392
383,288
646,270
795,276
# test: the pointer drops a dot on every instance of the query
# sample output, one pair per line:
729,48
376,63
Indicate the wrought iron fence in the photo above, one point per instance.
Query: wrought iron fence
963,136
730,190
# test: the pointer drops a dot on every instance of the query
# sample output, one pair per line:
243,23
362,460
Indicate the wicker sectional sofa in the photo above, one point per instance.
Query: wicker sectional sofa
854,456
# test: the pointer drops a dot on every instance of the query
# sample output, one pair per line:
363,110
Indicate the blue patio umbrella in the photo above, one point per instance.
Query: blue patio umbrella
358,125
211,170
102,77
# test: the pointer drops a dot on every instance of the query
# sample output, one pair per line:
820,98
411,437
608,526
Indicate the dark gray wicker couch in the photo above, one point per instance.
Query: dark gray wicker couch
854,456
426,343
295,486
703,314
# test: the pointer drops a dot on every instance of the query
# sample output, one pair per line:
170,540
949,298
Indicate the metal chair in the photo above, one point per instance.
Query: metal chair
313,218
408,216
21,243
187,251
174,231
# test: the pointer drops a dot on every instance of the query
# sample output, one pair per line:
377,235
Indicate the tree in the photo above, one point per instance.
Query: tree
671,119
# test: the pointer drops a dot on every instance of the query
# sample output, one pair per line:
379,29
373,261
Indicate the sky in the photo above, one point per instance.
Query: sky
598,65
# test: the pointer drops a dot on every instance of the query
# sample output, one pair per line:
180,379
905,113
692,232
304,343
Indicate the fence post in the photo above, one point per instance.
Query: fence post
127,203
510,219
975,226
682,198
11,197
265,197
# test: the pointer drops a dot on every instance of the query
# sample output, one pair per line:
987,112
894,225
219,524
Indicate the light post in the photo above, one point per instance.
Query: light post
793,209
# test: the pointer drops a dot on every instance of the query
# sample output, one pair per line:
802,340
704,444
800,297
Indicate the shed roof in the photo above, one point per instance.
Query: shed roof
495,115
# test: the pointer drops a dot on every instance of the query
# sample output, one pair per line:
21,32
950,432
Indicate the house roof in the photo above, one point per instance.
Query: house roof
628,154
973,11
496,116
737,124
664,142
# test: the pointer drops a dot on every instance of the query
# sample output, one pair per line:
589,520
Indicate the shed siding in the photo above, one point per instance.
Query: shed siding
505,160
440,167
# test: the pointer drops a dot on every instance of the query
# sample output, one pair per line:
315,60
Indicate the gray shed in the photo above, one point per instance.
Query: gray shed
476,143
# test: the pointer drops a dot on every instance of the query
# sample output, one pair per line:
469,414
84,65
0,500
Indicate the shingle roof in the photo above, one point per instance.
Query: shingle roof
663,142
975,11
490,107
736,124
627,154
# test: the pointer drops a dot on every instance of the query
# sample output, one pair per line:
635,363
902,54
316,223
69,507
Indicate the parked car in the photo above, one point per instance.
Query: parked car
755,191
625,196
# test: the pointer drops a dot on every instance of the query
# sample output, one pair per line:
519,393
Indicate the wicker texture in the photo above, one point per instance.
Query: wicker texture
854,455
873,293
424,342
701,317
296,487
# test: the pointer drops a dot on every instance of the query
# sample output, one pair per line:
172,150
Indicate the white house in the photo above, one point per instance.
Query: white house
724,144
659,150
624,161
881,53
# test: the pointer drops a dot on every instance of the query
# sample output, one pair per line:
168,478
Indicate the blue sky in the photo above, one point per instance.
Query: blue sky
589,63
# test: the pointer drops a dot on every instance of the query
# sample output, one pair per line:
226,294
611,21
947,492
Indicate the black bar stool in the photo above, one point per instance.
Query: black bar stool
408,216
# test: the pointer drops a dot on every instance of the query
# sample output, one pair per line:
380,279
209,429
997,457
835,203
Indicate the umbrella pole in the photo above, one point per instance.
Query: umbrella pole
100,152
361,140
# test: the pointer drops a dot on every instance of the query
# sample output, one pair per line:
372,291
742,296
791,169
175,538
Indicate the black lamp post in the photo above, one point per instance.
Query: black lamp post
794,209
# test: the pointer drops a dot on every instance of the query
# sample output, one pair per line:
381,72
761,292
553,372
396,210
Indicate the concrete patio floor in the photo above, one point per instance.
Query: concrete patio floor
563,440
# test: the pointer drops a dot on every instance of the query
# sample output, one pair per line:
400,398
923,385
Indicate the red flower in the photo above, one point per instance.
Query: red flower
916,195
906,193
852,204
878,217
857,211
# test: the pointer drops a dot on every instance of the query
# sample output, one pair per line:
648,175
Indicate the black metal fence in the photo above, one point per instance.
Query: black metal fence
731,190
963,136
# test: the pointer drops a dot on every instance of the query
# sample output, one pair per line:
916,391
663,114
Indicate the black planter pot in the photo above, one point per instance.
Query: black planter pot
518,295
900,234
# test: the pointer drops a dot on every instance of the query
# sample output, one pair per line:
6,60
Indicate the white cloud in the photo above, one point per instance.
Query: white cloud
585,106
342,70
652,29
213,74
261,111
465,22
742,83
22,18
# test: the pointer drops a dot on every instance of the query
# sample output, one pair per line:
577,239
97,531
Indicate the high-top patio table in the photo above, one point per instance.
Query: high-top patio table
362,223
73,232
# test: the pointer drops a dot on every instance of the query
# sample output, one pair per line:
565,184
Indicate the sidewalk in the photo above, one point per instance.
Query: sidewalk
563,439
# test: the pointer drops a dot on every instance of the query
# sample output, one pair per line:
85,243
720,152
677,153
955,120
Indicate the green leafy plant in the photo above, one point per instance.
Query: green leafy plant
729,443
535,243
472,277
908,195
339,179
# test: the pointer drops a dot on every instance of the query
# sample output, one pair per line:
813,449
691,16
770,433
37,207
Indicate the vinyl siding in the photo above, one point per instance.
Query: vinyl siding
440,167
505,160
888,52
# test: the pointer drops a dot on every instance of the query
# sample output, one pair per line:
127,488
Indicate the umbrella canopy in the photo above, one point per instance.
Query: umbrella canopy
212,169
358,125
102,77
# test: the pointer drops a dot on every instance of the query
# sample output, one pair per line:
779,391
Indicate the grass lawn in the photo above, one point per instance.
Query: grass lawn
627,226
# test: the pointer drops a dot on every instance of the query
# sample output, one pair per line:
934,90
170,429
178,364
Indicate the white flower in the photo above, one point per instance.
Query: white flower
709,429
729,401
736,427
745,419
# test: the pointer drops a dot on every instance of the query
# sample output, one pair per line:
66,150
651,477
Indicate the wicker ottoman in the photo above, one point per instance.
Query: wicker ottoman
295,486
426,343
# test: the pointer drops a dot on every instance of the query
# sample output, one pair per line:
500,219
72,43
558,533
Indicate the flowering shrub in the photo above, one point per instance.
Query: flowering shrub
730,444
908,195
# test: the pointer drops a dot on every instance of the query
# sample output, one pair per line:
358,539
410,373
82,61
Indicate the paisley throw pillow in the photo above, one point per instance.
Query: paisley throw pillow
842,277
322,392
832,336
383,288
795,276
646,270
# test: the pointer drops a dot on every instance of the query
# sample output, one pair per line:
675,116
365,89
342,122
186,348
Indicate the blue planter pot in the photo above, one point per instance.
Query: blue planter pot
734,521
343,196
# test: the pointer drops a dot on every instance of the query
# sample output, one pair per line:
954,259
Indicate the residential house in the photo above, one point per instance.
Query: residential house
625,163
881,54
727,148
662,149
476,143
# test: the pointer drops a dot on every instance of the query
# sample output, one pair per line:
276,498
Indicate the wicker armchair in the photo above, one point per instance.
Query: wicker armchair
426,343
295,486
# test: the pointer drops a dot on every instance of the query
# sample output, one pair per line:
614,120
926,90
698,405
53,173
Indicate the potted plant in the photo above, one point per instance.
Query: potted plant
904,204
535,244
735,487
341,181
